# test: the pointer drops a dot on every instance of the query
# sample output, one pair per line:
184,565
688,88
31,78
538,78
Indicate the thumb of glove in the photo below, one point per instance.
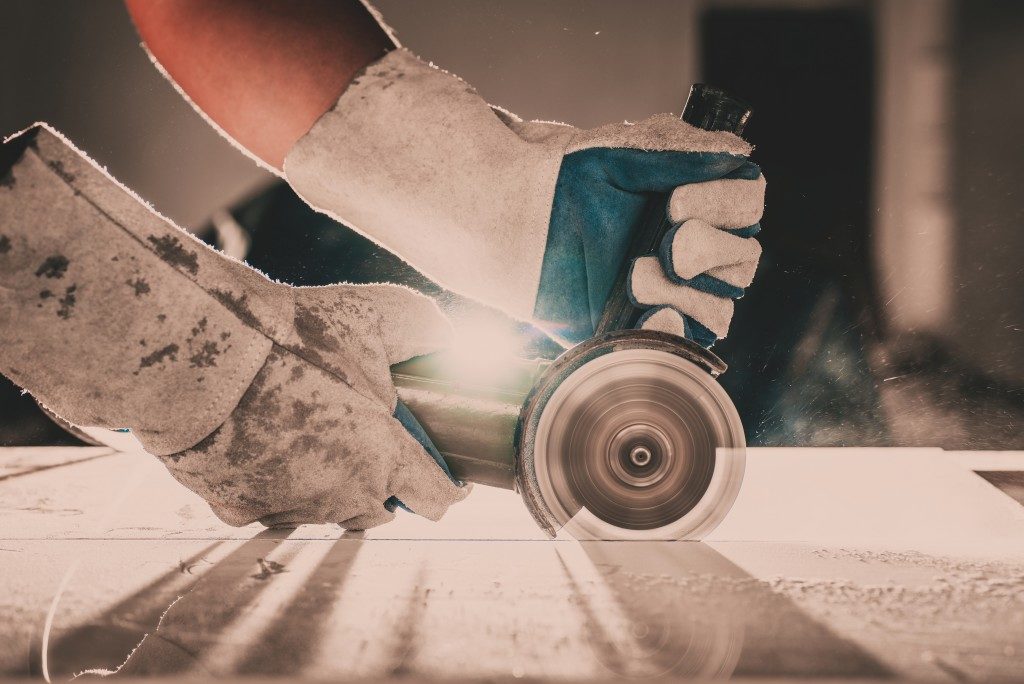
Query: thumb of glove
410,323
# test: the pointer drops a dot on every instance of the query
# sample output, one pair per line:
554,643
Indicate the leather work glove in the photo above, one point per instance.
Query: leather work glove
535,218
273,403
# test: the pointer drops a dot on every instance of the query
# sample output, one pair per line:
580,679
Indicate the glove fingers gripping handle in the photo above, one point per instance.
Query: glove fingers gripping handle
484,451
710,109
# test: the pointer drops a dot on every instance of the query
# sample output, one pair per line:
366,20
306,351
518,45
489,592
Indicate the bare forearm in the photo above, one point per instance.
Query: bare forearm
262,71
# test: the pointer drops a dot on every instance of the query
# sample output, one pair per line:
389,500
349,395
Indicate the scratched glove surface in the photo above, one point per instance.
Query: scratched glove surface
533,217
273,403
304,445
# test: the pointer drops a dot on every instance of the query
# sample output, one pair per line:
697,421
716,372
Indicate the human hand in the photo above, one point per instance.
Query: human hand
274,403
535,218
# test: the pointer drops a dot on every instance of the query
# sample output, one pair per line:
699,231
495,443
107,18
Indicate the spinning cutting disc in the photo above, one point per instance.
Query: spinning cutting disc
632,438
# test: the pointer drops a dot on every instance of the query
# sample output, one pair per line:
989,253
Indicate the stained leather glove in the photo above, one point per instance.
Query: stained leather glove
534,218
273,403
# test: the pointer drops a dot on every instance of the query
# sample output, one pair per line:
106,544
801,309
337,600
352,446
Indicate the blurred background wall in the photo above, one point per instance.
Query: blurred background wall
889,130
988,154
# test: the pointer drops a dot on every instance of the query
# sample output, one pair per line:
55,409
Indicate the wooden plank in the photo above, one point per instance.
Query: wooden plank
988,460
897,499
355,607
121,551
1008,482
873,498
18,461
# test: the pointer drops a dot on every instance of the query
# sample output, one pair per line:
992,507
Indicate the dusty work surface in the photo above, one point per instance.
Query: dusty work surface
858,563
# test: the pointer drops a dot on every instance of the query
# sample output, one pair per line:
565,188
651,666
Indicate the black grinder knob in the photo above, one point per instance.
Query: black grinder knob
713,109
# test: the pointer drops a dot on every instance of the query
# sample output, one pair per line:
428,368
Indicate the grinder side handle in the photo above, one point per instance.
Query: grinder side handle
706,107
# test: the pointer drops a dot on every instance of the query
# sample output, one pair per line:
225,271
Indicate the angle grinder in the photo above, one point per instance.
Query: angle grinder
626,436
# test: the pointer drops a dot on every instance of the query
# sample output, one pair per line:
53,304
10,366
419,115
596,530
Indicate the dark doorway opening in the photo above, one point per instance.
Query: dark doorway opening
799,341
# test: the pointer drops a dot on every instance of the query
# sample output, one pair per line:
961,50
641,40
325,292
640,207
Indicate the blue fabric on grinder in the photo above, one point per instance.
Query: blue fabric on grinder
409,422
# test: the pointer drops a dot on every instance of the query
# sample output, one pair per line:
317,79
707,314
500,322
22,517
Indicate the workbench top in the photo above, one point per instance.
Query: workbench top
833,563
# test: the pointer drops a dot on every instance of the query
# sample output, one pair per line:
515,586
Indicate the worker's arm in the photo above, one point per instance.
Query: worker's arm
533,218
262,71
273,403
536,218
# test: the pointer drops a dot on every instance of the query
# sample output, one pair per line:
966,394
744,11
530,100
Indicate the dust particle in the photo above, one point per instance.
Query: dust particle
206,356
169,248
237,305
67,302
58,168
140,286
53,267
301,413
168,352
268,568
199,327
314,330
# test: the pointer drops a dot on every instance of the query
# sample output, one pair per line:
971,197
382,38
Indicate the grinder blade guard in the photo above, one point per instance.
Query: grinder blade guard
629,437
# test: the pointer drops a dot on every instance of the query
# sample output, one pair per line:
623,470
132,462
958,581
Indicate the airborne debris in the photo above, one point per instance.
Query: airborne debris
268,568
